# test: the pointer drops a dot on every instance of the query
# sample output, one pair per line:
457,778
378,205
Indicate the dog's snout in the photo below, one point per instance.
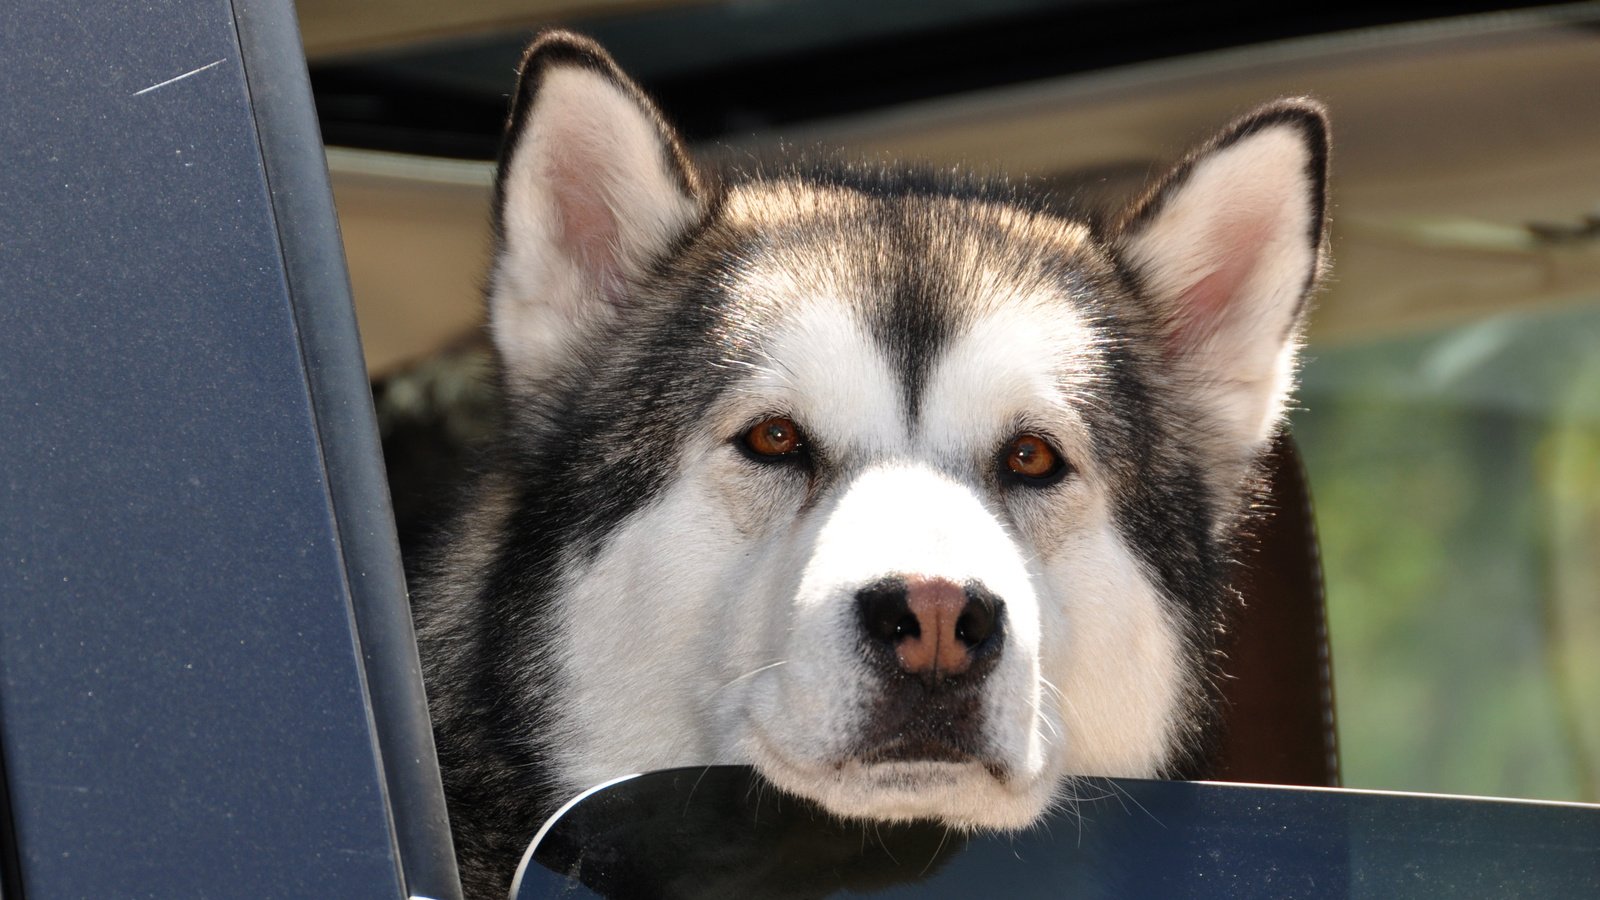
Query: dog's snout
934,627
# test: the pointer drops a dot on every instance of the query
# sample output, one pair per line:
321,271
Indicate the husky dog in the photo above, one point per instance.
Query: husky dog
897,487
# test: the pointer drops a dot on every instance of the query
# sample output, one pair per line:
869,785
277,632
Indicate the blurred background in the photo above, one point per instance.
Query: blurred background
1450,409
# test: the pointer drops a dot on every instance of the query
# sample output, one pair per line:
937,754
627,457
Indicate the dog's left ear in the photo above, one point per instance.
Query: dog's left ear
593,187
1228,247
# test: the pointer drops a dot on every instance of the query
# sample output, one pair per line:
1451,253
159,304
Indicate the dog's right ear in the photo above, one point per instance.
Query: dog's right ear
593,186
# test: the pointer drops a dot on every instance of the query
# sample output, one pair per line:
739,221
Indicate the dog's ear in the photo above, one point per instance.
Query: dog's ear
593,186
1229,247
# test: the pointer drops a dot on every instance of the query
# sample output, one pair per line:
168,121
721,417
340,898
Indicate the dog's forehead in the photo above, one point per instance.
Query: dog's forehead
938,312
902,257
949,219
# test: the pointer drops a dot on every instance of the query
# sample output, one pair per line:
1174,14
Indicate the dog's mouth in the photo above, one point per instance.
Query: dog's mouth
911,724
906,780
924,750
906,761
914,749
950,740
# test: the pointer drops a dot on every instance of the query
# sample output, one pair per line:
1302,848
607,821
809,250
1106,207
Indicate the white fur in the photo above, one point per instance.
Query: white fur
739,646
1108,643
900,517
588,173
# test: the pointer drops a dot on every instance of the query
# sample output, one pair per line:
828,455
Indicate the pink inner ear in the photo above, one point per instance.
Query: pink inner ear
589,229
1202,310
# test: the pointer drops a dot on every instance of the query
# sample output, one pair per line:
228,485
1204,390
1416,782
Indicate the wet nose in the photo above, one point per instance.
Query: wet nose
936,629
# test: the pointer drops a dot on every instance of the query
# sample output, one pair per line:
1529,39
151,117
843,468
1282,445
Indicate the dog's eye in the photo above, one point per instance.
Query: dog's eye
1033,461
774,437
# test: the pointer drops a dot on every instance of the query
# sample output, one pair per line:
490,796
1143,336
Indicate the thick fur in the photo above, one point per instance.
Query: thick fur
631,589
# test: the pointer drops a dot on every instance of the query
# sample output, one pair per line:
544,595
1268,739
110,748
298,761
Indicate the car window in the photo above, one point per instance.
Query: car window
1448,414
1457,478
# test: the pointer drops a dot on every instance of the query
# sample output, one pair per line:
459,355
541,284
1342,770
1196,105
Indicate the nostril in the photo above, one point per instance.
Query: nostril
885,613
977,621
973,627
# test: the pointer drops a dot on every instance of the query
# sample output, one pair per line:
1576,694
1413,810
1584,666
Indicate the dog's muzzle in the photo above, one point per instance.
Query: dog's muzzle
931,643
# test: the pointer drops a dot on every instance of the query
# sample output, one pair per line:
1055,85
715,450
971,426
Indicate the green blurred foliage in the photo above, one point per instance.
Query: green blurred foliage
1457,485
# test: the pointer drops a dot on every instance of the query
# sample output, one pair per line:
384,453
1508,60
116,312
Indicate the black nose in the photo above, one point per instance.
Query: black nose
933,628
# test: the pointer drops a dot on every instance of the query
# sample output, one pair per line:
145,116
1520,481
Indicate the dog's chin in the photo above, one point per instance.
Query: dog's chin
971,794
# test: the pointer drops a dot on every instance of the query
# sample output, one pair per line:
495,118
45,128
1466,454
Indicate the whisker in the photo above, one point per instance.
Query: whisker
1124,792
750,674
1050,685
1065,700
878,836
695,787
1042,717
942,838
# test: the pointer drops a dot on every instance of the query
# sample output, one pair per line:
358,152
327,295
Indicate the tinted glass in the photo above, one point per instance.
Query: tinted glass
720,832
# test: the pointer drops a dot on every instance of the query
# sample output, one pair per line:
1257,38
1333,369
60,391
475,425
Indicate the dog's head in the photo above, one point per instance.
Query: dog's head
910,494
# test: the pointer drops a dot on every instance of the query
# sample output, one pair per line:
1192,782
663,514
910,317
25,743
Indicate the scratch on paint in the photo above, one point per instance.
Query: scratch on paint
161,84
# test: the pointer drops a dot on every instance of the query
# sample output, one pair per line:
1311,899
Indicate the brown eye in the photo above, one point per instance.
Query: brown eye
777,436
1033,460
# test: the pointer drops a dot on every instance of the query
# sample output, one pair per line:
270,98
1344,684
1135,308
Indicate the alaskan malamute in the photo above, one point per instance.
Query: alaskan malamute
914,496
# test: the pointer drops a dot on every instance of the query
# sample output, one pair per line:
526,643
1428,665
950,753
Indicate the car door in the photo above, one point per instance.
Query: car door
208,685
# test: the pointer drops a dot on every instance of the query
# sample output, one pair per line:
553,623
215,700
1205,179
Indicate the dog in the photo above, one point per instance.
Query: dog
908,492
